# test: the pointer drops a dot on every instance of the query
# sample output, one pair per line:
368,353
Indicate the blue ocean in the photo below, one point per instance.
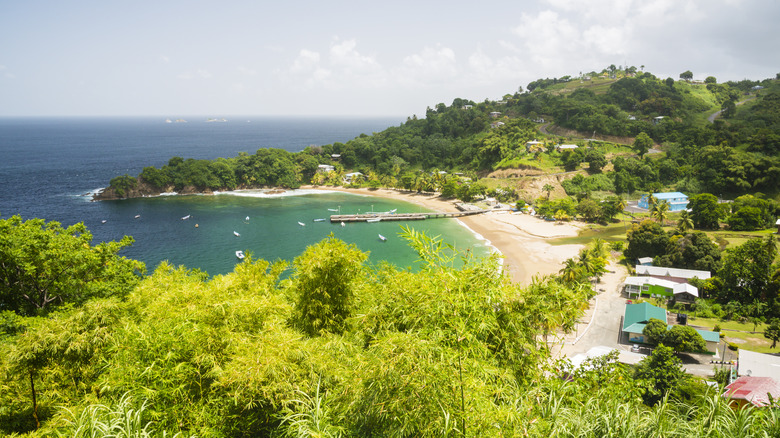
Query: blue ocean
49,167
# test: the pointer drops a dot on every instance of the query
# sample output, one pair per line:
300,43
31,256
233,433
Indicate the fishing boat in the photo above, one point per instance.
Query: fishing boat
343,224
103,221
301,224
375,219
333,209
236,233
382,238
319,220
138,216
247,219
240,255
185,218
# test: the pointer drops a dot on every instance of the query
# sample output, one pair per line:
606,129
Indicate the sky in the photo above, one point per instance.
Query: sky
394,58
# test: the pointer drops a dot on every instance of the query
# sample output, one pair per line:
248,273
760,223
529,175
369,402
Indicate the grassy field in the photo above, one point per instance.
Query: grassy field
740,334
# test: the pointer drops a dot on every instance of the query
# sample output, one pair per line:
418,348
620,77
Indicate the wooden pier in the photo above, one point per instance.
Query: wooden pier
382,217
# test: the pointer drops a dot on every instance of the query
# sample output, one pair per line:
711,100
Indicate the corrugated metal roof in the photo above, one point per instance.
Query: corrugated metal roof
754,389
758,364
642,313
662,271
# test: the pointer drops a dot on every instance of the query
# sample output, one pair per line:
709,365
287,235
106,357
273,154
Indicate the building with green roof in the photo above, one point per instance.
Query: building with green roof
637,316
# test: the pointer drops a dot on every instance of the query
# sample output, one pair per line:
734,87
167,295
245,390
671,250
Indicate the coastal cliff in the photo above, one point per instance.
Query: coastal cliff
142,189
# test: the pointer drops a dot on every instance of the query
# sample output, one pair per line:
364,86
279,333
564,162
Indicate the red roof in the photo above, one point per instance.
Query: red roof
754,389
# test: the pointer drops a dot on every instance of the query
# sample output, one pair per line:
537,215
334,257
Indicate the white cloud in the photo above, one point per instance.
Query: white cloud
431,65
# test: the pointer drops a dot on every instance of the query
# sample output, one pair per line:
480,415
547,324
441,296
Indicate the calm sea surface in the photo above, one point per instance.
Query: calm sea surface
48,168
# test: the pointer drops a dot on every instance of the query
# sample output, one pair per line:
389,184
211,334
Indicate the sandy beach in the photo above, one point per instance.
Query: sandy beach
522,239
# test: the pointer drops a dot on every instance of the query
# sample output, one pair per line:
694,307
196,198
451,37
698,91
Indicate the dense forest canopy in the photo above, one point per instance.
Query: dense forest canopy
738,153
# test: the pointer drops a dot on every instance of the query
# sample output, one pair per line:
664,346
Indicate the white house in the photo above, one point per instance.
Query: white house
325,168
348,177
566,147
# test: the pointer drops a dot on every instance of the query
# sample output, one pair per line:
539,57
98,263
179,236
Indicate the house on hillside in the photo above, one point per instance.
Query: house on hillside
752,390
566,147
534,146
349,177
636,317
778,226
495,125
325,168
495,114
677,201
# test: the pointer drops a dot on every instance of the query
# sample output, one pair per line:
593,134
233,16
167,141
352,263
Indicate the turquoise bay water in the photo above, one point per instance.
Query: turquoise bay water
272,231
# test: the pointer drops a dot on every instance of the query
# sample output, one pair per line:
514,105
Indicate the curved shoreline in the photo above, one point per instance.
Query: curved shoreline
522,240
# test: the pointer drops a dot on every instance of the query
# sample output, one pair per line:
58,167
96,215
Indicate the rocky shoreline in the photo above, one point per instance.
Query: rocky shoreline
144,190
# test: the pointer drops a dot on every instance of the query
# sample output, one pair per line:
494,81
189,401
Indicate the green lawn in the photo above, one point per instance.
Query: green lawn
738,333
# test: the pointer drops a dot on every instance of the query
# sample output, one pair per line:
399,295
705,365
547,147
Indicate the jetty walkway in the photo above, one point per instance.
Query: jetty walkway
376,217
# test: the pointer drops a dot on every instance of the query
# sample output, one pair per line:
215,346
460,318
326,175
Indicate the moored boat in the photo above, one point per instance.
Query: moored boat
382,238
240,255
236,233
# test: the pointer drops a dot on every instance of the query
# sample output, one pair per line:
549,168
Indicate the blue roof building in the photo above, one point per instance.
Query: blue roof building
677,201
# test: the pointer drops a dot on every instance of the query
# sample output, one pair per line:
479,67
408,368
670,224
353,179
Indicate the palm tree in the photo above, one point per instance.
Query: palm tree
685,223
548,188
660,211
571,271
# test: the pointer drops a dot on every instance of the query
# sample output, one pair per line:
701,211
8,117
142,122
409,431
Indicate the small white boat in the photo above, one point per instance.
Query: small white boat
343,224
138,216
185,218
376,219
319,220
240,255
333,209
301,224
236,233
103,221
382,238
247,219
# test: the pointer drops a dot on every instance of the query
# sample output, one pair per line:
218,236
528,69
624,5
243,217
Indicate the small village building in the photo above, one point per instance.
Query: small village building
465,107
673,274
534,145
495,125
658,120
752,390
495,114
777,224
637,316
348,177
758,364
646,261
325,168
677,201
566,147
659,288
335,157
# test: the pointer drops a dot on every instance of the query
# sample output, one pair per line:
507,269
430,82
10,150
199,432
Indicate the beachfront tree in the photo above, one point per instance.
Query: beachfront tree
43,265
